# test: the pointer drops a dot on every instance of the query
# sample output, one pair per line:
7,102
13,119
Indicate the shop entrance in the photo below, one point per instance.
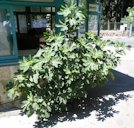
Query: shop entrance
31,23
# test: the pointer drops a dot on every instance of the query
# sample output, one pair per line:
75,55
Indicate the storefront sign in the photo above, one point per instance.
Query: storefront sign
93,7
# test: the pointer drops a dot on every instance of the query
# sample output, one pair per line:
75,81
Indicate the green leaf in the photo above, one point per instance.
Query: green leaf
49,109
36,78
64,101
47,115
39,53
36,106
56,62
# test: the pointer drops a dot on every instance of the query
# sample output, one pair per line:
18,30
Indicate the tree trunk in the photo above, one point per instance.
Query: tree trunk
108,24
108,13
115,25
115,20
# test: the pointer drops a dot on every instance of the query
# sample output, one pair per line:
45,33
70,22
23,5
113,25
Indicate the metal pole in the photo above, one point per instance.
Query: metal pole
99,17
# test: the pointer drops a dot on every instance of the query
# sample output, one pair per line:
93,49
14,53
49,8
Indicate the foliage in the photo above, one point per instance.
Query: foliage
130,18
113,10
65,67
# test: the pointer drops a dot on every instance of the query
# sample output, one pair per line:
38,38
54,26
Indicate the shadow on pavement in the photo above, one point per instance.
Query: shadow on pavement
101,100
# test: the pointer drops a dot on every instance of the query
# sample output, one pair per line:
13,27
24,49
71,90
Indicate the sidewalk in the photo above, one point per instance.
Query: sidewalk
109,107
129,40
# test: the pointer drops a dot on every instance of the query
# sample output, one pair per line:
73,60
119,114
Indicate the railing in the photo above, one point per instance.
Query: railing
114,30
112,26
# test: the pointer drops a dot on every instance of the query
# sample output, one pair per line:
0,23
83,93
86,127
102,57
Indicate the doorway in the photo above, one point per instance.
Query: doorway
30,24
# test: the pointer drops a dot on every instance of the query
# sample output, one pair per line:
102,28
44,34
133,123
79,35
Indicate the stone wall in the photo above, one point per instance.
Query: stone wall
6,75
115,33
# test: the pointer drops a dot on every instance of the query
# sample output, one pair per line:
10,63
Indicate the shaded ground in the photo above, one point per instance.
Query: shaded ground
109,107
103,106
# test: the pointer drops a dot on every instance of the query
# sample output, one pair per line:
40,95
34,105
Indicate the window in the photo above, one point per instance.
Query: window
7,37
93,23
8,48
6,34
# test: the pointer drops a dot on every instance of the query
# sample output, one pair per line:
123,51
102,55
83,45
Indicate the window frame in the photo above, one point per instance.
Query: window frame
10,58
10,5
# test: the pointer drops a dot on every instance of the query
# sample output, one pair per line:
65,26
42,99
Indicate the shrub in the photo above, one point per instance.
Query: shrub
63,68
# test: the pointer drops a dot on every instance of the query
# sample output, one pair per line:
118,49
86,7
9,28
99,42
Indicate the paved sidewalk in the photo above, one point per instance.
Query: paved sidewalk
109,107
129,40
